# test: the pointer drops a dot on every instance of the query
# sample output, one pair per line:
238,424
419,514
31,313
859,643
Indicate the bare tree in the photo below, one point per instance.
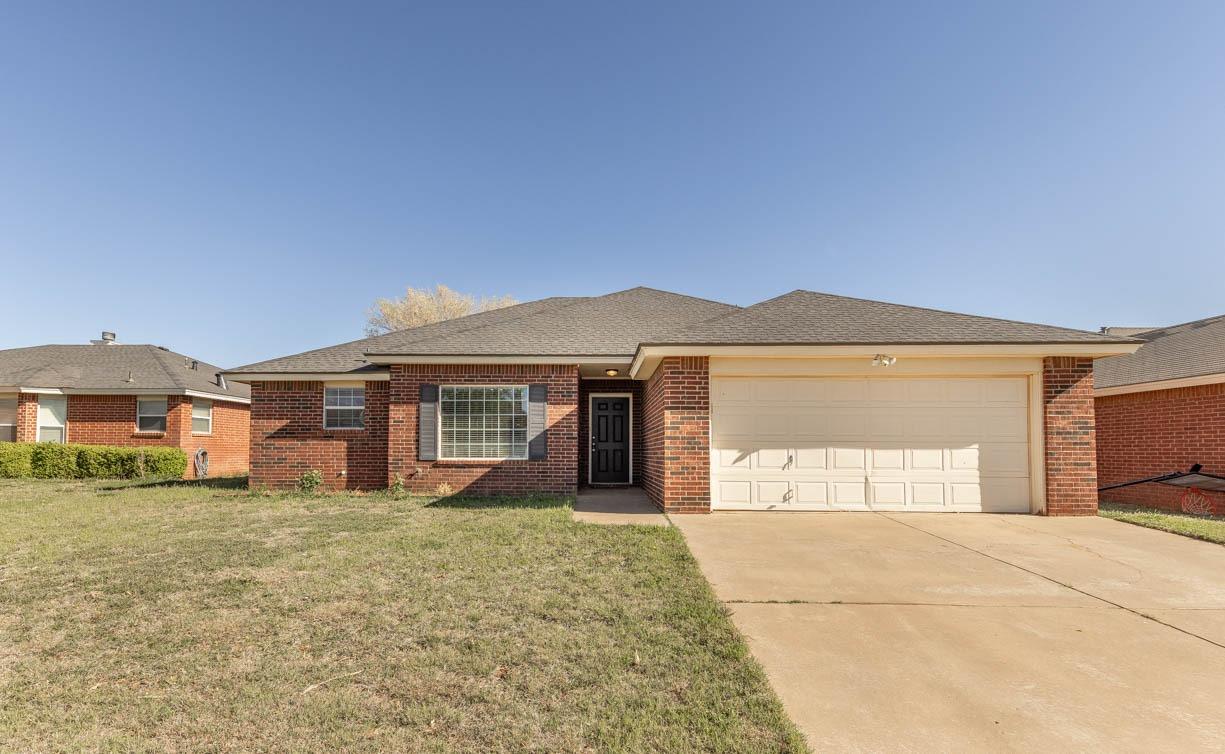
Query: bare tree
422,306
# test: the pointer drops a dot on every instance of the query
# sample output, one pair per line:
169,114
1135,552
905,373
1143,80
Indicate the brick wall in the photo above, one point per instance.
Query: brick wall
111,420
229,443
1067,411
586,388
27,417
558,473
288,438
676,435
1155,432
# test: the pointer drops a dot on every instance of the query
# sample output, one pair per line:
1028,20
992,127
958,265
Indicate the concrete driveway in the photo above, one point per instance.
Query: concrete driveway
920,632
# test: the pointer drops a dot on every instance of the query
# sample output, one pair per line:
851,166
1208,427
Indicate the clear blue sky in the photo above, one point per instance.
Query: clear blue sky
241,180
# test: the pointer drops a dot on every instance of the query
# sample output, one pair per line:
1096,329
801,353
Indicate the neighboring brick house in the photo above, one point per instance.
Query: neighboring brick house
1162,409
110,394
804,402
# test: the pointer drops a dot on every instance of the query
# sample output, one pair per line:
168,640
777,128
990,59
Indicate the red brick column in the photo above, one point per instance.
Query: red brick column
27,417
1071,454
676,435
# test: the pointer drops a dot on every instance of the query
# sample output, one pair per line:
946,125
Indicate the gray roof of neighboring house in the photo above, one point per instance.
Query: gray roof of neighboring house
1192,349
107,367
617,323
807,317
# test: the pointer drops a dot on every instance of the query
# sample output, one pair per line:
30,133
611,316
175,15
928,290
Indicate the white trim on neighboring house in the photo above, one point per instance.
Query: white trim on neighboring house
125,391
498,359
1147,387
249,377
648,357
591,435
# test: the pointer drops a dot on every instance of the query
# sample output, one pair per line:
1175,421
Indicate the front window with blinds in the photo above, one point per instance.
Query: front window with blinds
201,416
483,422
52,418
151,413
344,407
8,418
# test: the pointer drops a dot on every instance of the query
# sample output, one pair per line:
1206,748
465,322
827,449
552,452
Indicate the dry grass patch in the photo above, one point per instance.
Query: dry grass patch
175,618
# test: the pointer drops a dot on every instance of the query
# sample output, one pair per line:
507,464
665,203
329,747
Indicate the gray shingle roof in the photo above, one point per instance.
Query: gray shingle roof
807,317
610,325
1192,349
350,356
617,323
107,367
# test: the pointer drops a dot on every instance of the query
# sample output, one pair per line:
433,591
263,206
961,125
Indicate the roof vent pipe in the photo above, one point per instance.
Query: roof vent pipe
107,339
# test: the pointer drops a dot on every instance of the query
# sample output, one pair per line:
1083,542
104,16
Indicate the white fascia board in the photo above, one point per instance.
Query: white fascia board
249,377
216,396
125,391
648,357
1148,387
497,359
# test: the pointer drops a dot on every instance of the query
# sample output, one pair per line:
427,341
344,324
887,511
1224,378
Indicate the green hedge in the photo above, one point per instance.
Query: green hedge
46,460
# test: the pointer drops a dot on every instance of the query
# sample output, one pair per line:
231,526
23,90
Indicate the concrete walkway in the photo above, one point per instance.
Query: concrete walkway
617,506
968,632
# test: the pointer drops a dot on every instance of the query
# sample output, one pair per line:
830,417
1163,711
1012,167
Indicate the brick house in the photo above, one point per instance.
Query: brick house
130,395
1162,409
804,402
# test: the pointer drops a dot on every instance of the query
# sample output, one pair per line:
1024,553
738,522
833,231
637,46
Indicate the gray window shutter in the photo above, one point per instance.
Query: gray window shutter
537,421
427,424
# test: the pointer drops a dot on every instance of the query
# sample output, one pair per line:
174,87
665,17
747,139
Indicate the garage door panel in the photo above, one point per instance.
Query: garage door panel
850,459
1004,458
888,493
848,493
852,424
1005,495
886,392
963,459
772,492
927,459
888,444
891,459
812,493
927,493
773,458
735,492
811,458
845,391
735,455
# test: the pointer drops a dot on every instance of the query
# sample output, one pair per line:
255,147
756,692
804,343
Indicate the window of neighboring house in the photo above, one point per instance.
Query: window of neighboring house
8,417
483,422
344,407
52,418
151,413
201,416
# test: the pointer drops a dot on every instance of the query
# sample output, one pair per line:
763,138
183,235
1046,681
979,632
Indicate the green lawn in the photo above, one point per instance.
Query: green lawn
1209,528
159,618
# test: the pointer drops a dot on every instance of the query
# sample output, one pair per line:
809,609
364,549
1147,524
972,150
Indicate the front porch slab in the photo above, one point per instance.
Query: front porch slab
617,506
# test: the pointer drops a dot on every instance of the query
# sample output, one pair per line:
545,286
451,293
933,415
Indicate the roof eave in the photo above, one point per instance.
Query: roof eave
649,354
369,375
1154,385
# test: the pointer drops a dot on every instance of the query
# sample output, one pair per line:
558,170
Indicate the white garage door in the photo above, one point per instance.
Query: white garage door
922,444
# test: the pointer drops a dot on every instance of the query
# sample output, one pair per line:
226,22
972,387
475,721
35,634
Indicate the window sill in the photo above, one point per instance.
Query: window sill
201,434
148,433
344,429
479,461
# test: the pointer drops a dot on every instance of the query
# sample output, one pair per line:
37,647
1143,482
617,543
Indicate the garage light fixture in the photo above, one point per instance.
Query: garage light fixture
883,360
612,372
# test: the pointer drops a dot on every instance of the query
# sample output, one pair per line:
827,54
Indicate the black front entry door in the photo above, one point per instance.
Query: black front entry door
610,439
